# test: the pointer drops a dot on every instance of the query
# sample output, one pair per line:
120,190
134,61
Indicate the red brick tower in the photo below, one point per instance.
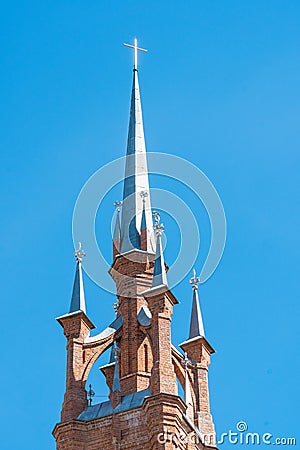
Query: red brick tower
144,410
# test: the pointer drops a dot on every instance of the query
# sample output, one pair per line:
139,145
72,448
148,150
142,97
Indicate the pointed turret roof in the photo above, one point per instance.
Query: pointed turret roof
78,299
159,274
117,228
144,195
77,306
136,176
196,324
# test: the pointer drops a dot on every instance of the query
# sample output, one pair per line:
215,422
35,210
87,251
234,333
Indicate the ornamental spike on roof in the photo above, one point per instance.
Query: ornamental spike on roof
196,324
159,274
144,195
117,227
136,179
78,299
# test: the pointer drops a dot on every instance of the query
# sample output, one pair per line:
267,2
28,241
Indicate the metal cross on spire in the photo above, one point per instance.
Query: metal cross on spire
136,48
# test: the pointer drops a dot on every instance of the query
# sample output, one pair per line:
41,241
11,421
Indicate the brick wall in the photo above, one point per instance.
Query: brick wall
146,359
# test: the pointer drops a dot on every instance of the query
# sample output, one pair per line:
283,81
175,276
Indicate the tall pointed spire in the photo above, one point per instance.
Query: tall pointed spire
159,274
196,324
78,299
136,175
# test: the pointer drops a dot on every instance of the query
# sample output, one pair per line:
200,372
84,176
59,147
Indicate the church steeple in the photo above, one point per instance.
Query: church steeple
198,351
143,365
136,176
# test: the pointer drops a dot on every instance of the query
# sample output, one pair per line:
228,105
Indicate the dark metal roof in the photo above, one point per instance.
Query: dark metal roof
105,409
144,220
196,324
77,300
117,228
159,274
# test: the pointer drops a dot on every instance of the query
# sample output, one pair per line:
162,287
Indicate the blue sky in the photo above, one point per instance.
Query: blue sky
220,87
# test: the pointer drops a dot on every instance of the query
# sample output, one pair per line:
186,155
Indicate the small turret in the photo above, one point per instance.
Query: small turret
77,327
198,352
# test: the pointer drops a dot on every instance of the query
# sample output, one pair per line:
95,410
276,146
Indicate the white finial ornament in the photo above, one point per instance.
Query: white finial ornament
156,217
158,227
136,48
79,253
194,281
